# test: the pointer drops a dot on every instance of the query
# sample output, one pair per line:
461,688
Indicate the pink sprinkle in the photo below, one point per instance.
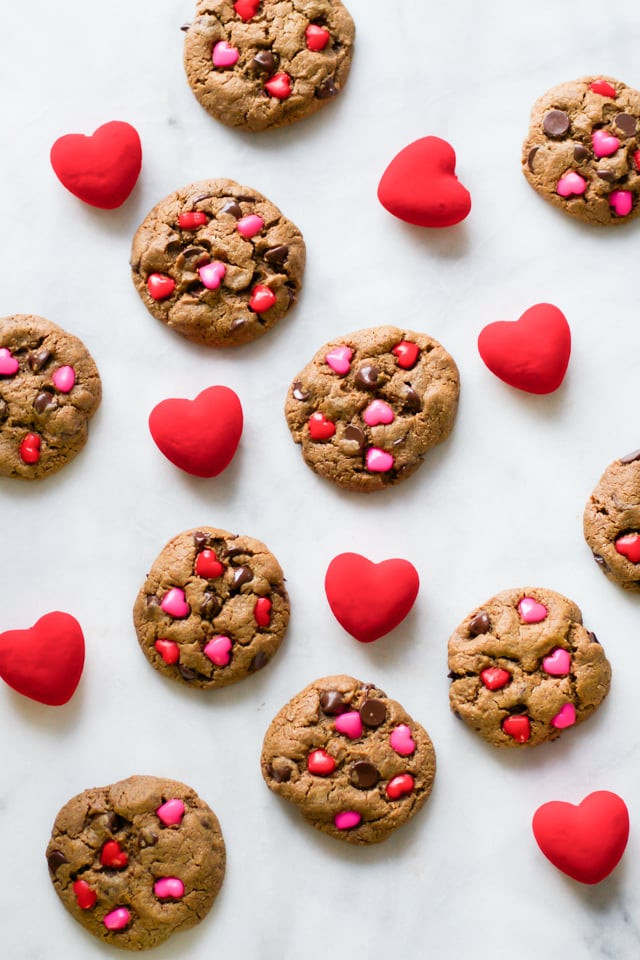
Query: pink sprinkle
64,379
168,888
401,740
378,412
218,650
604,143
171,812
249,226
571,184
531,611
621,201
378,461
224,55
8,364
212,274
117,919
339,359
174,603
558,663
350,724
347,819
565,717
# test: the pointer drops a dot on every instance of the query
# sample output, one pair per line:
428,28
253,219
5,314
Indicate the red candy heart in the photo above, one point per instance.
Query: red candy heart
279,86
603,88
262,612
200,436
320,428
30,448
518,726
112,855
317,37
400,786
531,353
160,286
192,220
208,566
420,185
586,841
494,678
168,650
85,896
262,298
45,662
406,354
320,763
246,8
370,599
101,169
629,546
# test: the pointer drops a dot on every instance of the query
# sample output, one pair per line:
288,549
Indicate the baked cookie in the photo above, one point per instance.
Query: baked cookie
581,153
353,760
137,861
218,263
49,390
213,609
612,522
369,406
523,668
258,65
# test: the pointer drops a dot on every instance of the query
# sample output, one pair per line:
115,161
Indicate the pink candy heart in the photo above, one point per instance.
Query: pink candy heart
378,412
621,201
168,888
378,461
8,364
171,812
175,604
219,651
604,144
224,55
117,919
558,663
402,741
531,611
347,819
249,226
350,724
212,274
64,379
571,184
565,717
339,359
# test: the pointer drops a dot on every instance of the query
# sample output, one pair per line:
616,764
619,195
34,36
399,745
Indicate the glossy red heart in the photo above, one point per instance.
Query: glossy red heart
200,436
585,842
370,599
531,353
44,662
629,546
420,185
101,169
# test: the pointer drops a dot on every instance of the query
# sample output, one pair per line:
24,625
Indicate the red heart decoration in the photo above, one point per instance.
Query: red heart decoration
112,855
585,842
370,599
629,546
420,185
320,427
101,169
531,353
200,436
44,662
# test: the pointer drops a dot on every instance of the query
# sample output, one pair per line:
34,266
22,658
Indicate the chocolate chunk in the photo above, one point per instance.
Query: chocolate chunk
200,539
185,27
148,838
364,775
327,89
298,392
367,377
627,124
355,435
152,600
531,157
210,606
555,123
593,637
45,402
333,703
259,661
241,575
277,256
279,774
263,62
373,713
607,175
4,410
235,552
580,153
37,361
239,322
631,457
480,624
187,673
55,860
232,208
411,400
600,560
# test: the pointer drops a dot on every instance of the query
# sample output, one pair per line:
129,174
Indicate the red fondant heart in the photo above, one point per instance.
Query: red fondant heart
370,599
101,169
629,546
45,662
200,436
531,353
420,185
585,842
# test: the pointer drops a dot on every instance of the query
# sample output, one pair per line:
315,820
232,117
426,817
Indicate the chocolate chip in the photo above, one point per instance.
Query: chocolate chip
232,208
373,713
631,457
580,153
240,322
277,256
210,606
607,175
148,838
235,552
152,600
555,123
333,703
593,637
4,410
531,157
45,402
38,360
367,377
600,561
241,575
200,539
279,774
480,624
355,435
113,822
626,124
185,27
411,400
299,393
55,860
327,89
363,775
259,661
187,673
263,62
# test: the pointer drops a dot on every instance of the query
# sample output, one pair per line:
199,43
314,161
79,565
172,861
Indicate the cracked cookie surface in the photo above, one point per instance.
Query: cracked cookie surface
218,263
582,151
49,390
213,610
612,522
354,762
369,406
259,65
136,861
523,668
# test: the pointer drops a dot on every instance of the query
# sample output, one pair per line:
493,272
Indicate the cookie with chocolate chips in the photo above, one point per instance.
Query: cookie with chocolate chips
258,64
49,390
218,263
582,153
612,522
350,758
523,668
369,406
213,610
137,861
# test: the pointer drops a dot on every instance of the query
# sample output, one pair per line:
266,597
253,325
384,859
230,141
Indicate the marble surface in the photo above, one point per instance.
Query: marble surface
498,505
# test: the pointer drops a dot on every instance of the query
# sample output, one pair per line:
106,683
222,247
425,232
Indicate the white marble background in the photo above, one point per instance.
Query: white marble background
498,505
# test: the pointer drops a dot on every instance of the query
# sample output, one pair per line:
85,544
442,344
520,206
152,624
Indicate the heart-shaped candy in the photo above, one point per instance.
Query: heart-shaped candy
64,379
320,428
208,566
247,8
316,37
85,896
586,841
370,599
350,724
113,856
102,169
218,650
420,185
629,546
604,143
30,448
174,603
192,219
199,436
517,726
378,461
224,55
565,717
531,611
45,662
531,353
250,226
339,359
8,363
571,185
603,88
168,650
401,740
160,286
494,678
279,86
378,412
171,812
406,354
169,888
621,202
262,298
320,763
557,663
212,274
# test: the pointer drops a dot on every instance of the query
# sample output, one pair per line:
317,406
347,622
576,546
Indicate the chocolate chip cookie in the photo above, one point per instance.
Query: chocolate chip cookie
351,759
49,390
369,406
259,64
523,668
582,151
612,522
137,861
213,610
218,263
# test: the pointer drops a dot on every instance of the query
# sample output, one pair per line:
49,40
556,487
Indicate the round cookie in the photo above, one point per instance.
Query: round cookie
213,610
582,151
137,861
259,65
218,263
49,390
612,522
369,406
523,668
351,759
